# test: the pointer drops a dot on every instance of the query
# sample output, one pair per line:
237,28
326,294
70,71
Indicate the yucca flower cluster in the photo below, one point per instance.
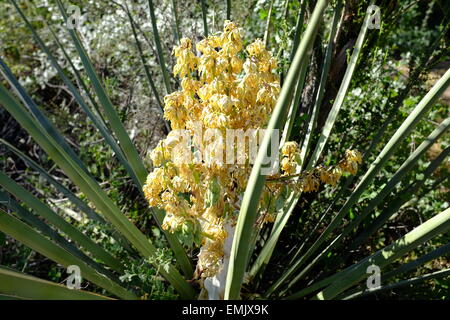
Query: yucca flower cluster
311,180
222,91
223,87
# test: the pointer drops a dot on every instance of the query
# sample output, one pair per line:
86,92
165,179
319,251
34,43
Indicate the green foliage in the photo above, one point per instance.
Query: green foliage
397,66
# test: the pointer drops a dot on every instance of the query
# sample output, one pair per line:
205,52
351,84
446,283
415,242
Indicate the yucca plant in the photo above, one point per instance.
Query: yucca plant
234,214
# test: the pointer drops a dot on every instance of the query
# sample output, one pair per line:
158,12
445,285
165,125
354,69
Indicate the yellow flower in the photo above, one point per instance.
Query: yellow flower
289,149
172,221
257,48
353,155
310,183
186,59
352,159
288,166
